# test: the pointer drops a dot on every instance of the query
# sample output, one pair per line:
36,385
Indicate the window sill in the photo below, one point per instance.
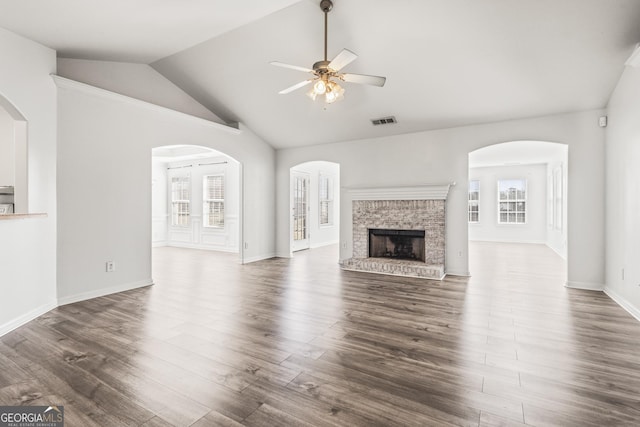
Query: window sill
22,216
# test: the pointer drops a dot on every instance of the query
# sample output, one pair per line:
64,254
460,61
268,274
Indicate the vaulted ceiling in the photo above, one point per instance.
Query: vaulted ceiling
448,62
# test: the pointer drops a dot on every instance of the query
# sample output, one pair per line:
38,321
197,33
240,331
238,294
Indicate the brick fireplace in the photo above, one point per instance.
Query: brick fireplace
399,231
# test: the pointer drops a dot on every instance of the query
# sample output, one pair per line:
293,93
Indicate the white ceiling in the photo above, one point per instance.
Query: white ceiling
140,31
448,62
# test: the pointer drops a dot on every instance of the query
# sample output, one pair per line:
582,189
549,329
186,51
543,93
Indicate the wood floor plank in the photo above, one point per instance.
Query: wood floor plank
301,342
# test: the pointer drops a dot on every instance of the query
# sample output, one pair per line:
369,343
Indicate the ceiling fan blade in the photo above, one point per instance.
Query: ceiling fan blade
364,79
343,59
293,67
295,87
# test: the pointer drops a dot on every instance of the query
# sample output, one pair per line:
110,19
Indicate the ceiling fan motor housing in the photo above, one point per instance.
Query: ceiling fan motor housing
322,67
326,5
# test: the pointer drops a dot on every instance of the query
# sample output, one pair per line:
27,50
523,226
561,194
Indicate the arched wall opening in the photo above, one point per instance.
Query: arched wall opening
13,159
518,193
314,200
196,199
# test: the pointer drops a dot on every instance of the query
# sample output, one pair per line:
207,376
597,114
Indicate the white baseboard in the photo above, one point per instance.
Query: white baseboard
202,247
457,273
320,245
258,258
159,244
498,240
104,291
284,255
26,318
587,286
560,254
622,302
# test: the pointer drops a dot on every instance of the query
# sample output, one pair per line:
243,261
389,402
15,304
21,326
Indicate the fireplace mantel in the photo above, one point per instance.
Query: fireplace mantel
417,192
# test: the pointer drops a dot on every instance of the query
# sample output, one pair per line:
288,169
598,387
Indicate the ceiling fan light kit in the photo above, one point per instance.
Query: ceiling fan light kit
326,72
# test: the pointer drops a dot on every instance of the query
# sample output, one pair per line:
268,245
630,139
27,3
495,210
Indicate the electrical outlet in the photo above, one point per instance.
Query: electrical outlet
111,266
344,245
623,274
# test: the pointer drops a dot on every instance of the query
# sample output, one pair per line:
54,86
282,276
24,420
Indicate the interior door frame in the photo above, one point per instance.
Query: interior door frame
298,245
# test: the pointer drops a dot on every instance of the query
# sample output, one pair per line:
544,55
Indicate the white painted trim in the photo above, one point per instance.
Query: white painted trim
622,302
529,242
457,274
320,245
26,318
104,291
418,192
557,251
63,82
159,244
587,286
203,247
284,255
259,258
23,216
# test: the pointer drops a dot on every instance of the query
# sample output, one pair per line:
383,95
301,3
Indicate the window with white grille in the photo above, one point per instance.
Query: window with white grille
474,200
180,187
325,199
213,201
512,201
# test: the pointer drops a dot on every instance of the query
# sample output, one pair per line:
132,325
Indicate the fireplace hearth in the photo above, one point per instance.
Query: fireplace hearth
397,244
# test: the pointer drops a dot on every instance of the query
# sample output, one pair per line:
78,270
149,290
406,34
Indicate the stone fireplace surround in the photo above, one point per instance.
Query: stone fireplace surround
403,208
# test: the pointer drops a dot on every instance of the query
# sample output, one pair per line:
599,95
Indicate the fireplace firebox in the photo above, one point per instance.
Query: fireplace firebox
397,244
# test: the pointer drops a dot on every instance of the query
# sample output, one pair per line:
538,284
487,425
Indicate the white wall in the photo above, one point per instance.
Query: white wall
321,235
159,206
7,149
104,156
623,192
28,249
195,235
488,228
138,81
442,156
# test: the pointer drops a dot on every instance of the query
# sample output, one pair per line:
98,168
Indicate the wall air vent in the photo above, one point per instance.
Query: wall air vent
384,121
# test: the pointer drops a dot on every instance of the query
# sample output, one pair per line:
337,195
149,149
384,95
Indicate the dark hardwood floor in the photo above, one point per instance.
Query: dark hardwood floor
299,342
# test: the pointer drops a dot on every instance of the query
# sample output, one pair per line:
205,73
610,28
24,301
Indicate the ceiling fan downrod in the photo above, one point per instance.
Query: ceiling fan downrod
326,6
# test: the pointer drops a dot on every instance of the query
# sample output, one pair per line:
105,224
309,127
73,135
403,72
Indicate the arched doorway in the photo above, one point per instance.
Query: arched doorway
196,199
518,196
314,205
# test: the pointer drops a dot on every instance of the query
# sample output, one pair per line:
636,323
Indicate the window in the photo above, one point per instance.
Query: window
512,201
325,196
213,201
474,198
557,199
180,200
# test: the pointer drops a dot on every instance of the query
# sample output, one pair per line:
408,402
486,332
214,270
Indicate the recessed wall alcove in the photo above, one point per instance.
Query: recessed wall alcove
13,155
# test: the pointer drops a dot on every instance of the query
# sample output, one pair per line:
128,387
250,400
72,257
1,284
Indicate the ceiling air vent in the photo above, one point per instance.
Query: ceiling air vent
384,121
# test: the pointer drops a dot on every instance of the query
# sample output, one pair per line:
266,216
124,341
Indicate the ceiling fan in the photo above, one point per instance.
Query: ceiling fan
326,72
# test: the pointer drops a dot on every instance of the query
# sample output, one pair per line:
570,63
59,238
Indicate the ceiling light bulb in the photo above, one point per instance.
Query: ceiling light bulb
320,87
334,93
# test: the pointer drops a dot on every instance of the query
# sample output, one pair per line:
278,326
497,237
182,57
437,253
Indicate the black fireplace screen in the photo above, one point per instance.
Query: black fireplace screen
397,244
